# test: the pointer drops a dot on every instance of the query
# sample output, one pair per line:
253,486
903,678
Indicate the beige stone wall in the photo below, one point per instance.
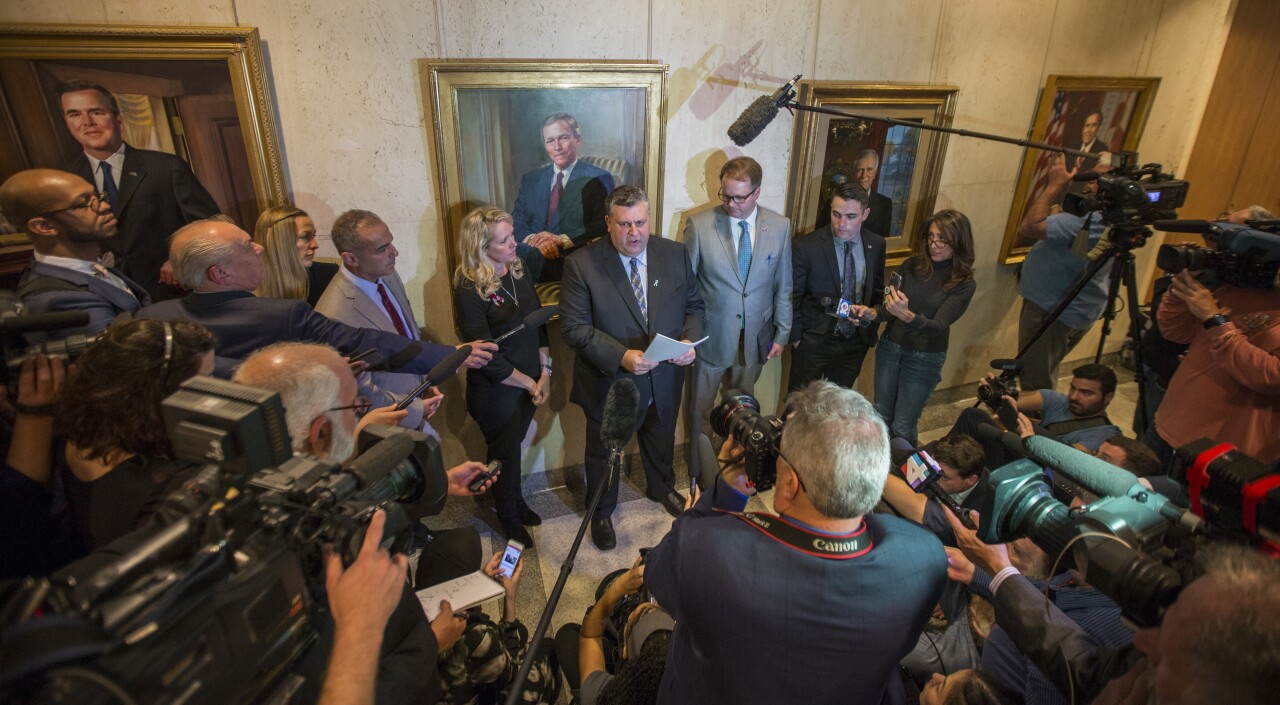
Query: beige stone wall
354,131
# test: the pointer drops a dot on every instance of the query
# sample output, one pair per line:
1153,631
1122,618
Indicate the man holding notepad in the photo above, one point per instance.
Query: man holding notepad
616,296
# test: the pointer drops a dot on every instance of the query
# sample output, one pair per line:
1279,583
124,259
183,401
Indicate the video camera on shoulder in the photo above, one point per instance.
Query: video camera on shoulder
738,416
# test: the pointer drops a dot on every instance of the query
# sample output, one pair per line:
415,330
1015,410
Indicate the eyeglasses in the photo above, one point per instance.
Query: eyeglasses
92,202
938,240
795,470
360,407
737,199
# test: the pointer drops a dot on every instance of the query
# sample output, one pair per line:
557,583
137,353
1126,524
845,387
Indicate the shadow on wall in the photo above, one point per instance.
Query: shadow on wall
706,89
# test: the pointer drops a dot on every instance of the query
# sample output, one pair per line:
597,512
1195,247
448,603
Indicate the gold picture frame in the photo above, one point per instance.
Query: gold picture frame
1066,104
34,56
824,149
487,116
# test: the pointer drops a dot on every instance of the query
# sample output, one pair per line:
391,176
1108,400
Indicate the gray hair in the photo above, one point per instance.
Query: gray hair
308,387
346,229
566,118
839,446
868,153
1259,213
191,263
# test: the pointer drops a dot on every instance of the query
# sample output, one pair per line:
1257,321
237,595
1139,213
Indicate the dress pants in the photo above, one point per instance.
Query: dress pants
503,414
657,438
837,359
1040,363
709,381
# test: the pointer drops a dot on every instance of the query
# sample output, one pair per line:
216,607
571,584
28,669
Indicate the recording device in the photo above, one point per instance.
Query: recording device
442,371
477,482
1005,384
760,113
922,473
360,356
1241,256
510,558
534,320
221,597
1143,571
842,308
621,409
895,282
15,323
738,416
1130,198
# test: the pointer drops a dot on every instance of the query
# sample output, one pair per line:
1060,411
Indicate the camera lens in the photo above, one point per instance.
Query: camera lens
722,415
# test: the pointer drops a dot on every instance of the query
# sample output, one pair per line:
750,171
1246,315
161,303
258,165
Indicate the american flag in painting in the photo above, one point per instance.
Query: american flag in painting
1053,136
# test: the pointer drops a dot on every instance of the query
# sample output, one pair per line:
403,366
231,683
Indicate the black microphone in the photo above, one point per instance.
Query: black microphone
707,459
759,114
442,371
534,320
400,359
1012,441
1183,226
621,407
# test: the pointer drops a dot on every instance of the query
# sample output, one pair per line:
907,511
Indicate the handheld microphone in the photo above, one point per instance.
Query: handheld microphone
400,359
621,407
759,114
534,320
442,371
707,459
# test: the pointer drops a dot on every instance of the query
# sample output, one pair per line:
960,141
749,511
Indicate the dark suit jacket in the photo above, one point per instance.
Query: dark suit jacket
580,214
881,213
244,323
601,320
816,275
158,195
48,289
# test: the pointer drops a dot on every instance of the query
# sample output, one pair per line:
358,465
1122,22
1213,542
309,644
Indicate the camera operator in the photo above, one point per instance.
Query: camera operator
1228,385
1075,418
1216,643
1053,265
815,605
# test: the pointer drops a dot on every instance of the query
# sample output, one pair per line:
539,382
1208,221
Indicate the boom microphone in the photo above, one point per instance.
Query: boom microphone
1097,476
442,371
534,320
621,407
1183,226
759,114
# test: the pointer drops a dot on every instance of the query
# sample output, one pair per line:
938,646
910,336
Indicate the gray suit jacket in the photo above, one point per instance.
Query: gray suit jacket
48,289
345,303
764,299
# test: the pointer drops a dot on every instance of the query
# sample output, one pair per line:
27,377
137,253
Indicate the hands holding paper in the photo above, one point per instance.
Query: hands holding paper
662,349
687,358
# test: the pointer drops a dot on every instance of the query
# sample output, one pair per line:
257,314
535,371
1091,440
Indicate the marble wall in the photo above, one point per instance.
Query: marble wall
355,133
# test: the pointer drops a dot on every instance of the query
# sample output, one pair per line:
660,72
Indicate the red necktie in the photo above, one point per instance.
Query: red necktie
391,311
556,192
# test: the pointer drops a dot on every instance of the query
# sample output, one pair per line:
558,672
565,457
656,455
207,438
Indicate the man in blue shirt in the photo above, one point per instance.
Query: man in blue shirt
1054,264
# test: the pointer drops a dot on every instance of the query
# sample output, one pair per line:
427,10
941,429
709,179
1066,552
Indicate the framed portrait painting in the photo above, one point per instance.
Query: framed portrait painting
1094,114
899,165
546,142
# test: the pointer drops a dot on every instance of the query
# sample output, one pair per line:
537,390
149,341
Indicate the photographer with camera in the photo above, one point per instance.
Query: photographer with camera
1053,265
1228,385
829,595
1216,642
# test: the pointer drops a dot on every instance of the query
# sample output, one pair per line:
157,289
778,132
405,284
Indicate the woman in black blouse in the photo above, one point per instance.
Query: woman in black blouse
491,296
937,285
288,238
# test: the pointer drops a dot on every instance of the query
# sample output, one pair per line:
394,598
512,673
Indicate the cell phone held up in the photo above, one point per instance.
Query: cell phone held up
477,483
510,558
895,282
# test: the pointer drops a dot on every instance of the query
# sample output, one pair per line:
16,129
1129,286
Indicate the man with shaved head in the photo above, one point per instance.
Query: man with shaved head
220,264
68,224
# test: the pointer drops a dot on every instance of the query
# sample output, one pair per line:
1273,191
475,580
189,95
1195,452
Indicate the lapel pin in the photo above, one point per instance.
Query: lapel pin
655,283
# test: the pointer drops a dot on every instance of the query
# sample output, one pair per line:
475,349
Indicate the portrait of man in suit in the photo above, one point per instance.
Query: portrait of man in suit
838,267
617,294
152,194
741,254
560,206
866,166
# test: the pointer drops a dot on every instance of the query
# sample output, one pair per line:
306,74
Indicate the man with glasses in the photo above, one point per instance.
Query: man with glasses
69,224
151,193
741,254
815,605
837,281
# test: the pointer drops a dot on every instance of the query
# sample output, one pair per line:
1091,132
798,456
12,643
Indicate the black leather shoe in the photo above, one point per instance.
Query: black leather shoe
514,530
602,533
673,502
528,517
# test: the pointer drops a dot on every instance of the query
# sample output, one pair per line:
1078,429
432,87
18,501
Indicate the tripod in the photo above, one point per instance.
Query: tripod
1117,249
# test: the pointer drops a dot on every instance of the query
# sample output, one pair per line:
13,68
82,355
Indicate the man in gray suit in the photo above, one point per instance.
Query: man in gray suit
68,223
368,293
741,255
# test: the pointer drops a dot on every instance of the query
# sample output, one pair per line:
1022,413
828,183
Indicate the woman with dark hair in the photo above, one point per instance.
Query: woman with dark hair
967,687
936,287
491,296
288,238
117,451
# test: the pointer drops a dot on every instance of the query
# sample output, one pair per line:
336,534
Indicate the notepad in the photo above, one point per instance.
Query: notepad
467,591
663,348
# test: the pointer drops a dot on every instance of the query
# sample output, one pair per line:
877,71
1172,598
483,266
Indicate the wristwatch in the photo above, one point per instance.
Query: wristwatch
1215,320
547,366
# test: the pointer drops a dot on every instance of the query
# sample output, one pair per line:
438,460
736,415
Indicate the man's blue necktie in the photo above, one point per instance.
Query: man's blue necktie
744,250
109,185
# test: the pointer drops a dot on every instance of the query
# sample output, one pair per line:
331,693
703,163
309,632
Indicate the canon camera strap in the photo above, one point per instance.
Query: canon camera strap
839,547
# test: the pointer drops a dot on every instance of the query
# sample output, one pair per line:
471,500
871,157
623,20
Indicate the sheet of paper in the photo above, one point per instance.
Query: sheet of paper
467,591
663,348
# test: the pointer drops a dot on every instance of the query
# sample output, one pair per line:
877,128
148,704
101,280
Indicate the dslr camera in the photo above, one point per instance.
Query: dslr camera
1006,384
738,416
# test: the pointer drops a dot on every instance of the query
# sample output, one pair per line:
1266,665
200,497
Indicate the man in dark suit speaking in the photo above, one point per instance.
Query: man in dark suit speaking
836,268
561,205
151,193
617,294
